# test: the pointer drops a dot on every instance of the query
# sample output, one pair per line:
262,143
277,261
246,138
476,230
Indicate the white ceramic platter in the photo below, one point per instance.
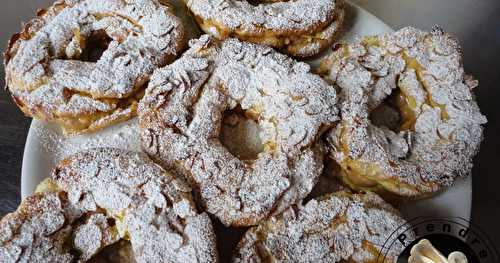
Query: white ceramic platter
45,145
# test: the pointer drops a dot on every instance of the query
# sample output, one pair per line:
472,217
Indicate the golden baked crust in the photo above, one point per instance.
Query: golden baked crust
53,68
48,228
340,227
98,197
409,122
300,28
182,111
151,207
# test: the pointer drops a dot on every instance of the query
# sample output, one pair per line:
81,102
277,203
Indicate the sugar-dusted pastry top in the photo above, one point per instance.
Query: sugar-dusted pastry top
153,208
333,228
55,72
409,121
43,224
282,16
98,197
300,28
183,110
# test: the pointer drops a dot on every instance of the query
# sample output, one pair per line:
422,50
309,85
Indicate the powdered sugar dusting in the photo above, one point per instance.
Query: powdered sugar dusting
123,136
101,196
335,228
284,16
93,235
301,28
441,127
182,111
150,206
43,227
45,75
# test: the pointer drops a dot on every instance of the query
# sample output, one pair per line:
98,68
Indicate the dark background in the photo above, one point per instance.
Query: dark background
477,24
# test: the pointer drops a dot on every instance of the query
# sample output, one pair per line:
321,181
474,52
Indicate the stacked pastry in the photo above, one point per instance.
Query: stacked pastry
301,28
235,130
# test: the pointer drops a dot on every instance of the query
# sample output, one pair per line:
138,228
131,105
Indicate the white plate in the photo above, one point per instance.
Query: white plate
45,145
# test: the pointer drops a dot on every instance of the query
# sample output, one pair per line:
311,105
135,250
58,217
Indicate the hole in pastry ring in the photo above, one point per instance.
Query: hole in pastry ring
180,120
50,70
300,28
97,197
440,125
333,228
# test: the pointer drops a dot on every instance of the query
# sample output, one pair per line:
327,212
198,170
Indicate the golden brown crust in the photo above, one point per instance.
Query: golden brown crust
299,28
410,124
183,109
151,207
53,68
98,197
340,227
48,228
